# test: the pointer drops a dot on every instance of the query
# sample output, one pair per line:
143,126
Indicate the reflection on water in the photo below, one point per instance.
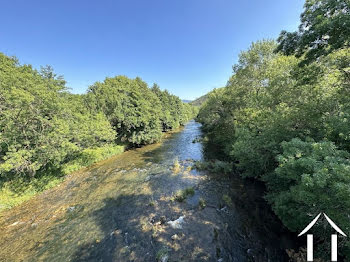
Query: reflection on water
119,209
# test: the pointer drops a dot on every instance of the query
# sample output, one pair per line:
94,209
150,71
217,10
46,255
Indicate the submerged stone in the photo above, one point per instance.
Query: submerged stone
177,224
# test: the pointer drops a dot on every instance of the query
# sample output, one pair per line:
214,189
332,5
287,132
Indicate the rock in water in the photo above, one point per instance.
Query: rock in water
164,258
177,224
175,237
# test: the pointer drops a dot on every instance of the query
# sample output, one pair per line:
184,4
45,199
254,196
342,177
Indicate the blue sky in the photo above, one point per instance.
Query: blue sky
186,46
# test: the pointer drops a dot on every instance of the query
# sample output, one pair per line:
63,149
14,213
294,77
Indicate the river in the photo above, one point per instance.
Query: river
124,209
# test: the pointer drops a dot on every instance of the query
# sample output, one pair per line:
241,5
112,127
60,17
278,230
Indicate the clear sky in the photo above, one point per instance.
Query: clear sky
186,46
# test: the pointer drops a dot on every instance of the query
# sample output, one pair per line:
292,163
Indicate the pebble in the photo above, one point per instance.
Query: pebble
175,237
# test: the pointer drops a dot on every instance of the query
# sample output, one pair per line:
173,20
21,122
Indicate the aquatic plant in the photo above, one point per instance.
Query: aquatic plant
176,166
181,195
202,204
227,199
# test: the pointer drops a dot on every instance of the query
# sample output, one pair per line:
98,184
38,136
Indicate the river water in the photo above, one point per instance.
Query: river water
120,209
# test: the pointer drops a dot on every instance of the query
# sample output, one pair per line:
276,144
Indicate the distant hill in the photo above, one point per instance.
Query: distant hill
186,101
199,101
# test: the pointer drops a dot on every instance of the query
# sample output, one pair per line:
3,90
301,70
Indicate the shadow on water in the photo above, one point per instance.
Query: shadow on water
120,209
134,232
116,213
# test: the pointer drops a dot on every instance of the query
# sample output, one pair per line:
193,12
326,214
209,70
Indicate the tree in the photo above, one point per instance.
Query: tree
41,125
288,126
131,107
325,27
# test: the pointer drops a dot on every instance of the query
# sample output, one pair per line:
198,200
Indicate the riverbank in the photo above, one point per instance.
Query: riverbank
19,190
15,192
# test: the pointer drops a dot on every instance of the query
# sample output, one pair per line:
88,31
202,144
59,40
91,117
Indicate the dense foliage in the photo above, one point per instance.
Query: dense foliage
286,122
41,124
44,129
173,111
325,27
131,107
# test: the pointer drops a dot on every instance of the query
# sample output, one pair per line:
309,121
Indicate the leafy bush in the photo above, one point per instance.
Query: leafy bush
311,177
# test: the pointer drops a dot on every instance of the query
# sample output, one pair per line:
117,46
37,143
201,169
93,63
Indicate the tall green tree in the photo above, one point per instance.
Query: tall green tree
131,107
325,27
41,125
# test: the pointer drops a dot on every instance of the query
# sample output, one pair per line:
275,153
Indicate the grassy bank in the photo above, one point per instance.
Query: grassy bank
19,190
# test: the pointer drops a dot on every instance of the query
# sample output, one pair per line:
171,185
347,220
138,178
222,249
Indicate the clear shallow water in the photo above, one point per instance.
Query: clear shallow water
118,209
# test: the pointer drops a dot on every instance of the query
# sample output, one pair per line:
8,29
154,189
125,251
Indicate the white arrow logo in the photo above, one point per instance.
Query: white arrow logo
310,238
